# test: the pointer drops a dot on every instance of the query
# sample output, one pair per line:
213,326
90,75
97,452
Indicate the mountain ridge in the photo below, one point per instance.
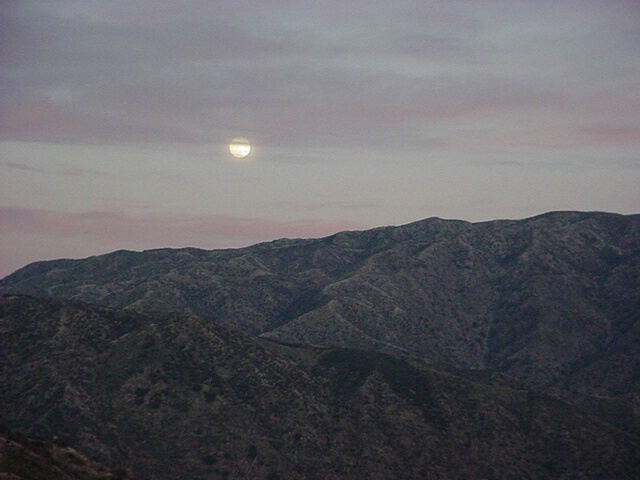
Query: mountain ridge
537,298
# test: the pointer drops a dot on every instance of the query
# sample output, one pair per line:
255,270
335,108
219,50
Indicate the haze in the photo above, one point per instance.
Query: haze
115,118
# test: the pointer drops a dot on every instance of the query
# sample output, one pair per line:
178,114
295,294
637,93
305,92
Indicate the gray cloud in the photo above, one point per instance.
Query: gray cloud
154,72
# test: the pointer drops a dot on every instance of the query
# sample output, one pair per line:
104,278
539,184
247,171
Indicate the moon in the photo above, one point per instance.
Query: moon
239,147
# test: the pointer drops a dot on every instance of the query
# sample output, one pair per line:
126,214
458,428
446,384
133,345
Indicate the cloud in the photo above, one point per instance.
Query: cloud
68,171
607,134
28,235
149,72
154,230
20,166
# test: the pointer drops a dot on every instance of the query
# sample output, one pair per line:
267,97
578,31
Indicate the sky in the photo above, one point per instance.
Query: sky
116,117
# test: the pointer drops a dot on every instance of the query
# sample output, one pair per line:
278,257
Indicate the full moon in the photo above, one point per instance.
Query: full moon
239,147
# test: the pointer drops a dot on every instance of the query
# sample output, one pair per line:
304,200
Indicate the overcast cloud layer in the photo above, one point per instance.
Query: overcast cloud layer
115,117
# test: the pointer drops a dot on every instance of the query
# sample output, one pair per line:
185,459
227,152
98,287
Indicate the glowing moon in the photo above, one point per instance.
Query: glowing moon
239,147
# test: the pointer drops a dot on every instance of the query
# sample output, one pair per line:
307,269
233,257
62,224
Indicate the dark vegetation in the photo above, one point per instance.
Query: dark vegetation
26,458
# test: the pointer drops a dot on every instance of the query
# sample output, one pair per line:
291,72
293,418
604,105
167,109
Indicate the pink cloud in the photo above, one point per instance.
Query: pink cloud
614,135
28,234
161,230
45,121
37,118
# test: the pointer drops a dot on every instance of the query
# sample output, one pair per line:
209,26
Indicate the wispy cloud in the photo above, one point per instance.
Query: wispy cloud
20,166
65,171
613,135
153,230
97,74
28,235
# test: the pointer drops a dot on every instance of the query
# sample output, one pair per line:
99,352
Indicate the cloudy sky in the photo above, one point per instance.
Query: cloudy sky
115,117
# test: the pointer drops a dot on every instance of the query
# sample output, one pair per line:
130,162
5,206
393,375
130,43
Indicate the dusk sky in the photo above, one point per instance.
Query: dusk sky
116,116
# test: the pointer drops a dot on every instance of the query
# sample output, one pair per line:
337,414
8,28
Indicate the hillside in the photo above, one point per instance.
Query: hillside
24,458
177,396
552,300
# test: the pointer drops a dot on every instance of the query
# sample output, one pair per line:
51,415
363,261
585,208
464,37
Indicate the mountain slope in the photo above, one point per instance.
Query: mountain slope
175,396
541,299
24,458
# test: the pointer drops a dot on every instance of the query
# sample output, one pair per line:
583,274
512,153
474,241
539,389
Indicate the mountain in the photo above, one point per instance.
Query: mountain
177,396
552,300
